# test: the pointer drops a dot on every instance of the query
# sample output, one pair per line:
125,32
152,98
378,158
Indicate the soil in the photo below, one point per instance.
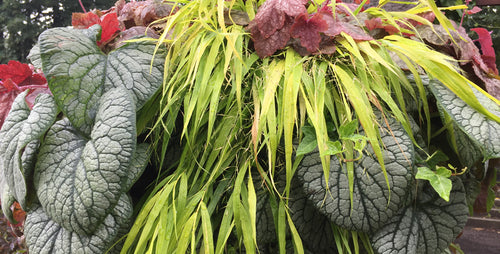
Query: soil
11,238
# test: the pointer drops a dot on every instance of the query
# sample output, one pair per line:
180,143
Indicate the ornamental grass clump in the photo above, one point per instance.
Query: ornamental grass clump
267,126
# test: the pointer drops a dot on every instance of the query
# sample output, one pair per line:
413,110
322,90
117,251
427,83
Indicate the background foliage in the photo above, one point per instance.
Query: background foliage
21,21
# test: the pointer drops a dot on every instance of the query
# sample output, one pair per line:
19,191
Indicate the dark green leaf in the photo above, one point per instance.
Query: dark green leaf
44,235
315,228
78,72
78,180
22,127
482,131
427,227
437,157
372,206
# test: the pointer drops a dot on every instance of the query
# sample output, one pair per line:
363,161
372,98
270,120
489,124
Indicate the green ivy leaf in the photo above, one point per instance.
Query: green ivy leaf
481,131
438,179
372,206
334,147
309,142
429,226
21,128
44,235
79,179
78,72
348,129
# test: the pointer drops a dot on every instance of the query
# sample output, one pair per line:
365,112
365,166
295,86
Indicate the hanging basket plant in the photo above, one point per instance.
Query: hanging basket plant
264,126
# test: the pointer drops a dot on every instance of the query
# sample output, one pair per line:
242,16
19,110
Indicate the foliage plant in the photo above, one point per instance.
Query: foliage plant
273,126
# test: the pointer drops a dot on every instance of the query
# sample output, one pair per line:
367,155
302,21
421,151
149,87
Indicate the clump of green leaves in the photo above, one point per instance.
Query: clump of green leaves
71,159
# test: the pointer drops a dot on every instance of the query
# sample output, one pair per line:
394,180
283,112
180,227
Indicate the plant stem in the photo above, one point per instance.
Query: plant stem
83,8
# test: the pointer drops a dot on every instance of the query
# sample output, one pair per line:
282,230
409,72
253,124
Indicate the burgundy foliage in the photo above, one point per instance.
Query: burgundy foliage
278,22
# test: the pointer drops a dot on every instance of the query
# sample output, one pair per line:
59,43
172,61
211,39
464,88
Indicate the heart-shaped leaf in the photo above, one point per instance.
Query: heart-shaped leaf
22,127
474,132
373,203
78,72
79,179
426,227
43,235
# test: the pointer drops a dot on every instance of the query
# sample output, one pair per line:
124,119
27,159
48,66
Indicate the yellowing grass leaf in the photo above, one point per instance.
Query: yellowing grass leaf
206,224
438,66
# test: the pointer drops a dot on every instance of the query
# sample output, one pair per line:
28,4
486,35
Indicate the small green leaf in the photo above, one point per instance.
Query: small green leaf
371,206
438,179
348,129
334,147
309,142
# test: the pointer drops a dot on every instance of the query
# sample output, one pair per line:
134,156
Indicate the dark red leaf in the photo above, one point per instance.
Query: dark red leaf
487,48
110,26
373,23
308,30
429,15
266,46
272,14
343,24
376,23
84,20
6,99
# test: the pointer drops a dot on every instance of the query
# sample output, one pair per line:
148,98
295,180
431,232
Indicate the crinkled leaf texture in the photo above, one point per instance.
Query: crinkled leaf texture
78,72
43,235
371,205
314,228
477,136
429,226
80,179
19,139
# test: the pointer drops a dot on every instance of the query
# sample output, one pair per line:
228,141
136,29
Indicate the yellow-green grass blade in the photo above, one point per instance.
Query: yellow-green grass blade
293,73
364,113
438,66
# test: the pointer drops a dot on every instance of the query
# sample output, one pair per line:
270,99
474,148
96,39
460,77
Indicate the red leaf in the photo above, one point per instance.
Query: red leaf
16,71
308,30
9,85
110,25
473,10
487,48
373,23
84,20
18,214
266,46
16,77
6,99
